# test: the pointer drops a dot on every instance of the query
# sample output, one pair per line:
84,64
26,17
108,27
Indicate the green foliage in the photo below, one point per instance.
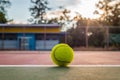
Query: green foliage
63,18
115,30
38,11
110,12
97,37
115,40
53,20
2,18
76,37
4,4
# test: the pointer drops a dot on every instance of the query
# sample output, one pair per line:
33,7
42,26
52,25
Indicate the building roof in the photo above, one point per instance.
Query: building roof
30,25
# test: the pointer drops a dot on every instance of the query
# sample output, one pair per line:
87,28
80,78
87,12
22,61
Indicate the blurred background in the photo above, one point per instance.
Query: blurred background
41,24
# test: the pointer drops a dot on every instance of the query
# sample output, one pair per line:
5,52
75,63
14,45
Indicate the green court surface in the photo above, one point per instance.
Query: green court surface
59,73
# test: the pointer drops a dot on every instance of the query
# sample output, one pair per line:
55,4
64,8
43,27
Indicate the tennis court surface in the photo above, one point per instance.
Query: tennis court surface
59,73
37,65
43,58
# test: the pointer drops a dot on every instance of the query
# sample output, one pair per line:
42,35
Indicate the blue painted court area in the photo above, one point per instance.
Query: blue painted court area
59,73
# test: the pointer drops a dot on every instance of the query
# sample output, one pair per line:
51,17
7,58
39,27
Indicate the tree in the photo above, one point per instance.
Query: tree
38,11
109,11
2,18
4,4
110,16
96,36
87,32
62,18
76,36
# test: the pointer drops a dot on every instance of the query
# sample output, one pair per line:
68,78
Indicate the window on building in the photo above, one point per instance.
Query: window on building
10,36
39,37
48,37
52,37
0,36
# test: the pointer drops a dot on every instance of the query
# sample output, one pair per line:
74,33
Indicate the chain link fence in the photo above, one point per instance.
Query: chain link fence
95,37
86,36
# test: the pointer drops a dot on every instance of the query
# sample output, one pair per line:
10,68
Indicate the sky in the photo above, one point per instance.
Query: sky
19,10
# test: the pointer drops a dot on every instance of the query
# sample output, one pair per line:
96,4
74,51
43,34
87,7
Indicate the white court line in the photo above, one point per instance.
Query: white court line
56,66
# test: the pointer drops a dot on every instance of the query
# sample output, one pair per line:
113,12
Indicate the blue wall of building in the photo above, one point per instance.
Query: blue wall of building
31,40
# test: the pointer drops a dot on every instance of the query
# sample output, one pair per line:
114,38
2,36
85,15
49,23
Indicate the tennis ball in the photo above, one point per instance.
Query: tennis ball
62,54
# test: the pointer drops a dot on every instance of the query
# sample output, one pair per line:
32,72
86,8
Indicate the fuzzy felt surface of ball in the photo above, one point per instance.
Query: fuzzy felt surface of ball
62,54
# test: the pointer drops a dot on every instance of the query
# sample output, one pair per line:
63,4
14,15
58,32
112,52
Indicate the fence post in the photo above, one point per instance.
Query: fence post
66,37
3,37
86,36
45,36
107,37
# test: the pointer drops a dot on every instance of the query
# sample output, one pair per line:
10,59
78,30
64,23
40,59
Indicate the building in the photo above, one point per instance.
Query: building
29,36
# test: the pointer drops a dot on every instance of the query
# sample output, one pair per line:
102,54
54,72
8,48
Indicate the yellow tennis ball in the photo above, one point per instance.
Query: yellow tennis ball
62,54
